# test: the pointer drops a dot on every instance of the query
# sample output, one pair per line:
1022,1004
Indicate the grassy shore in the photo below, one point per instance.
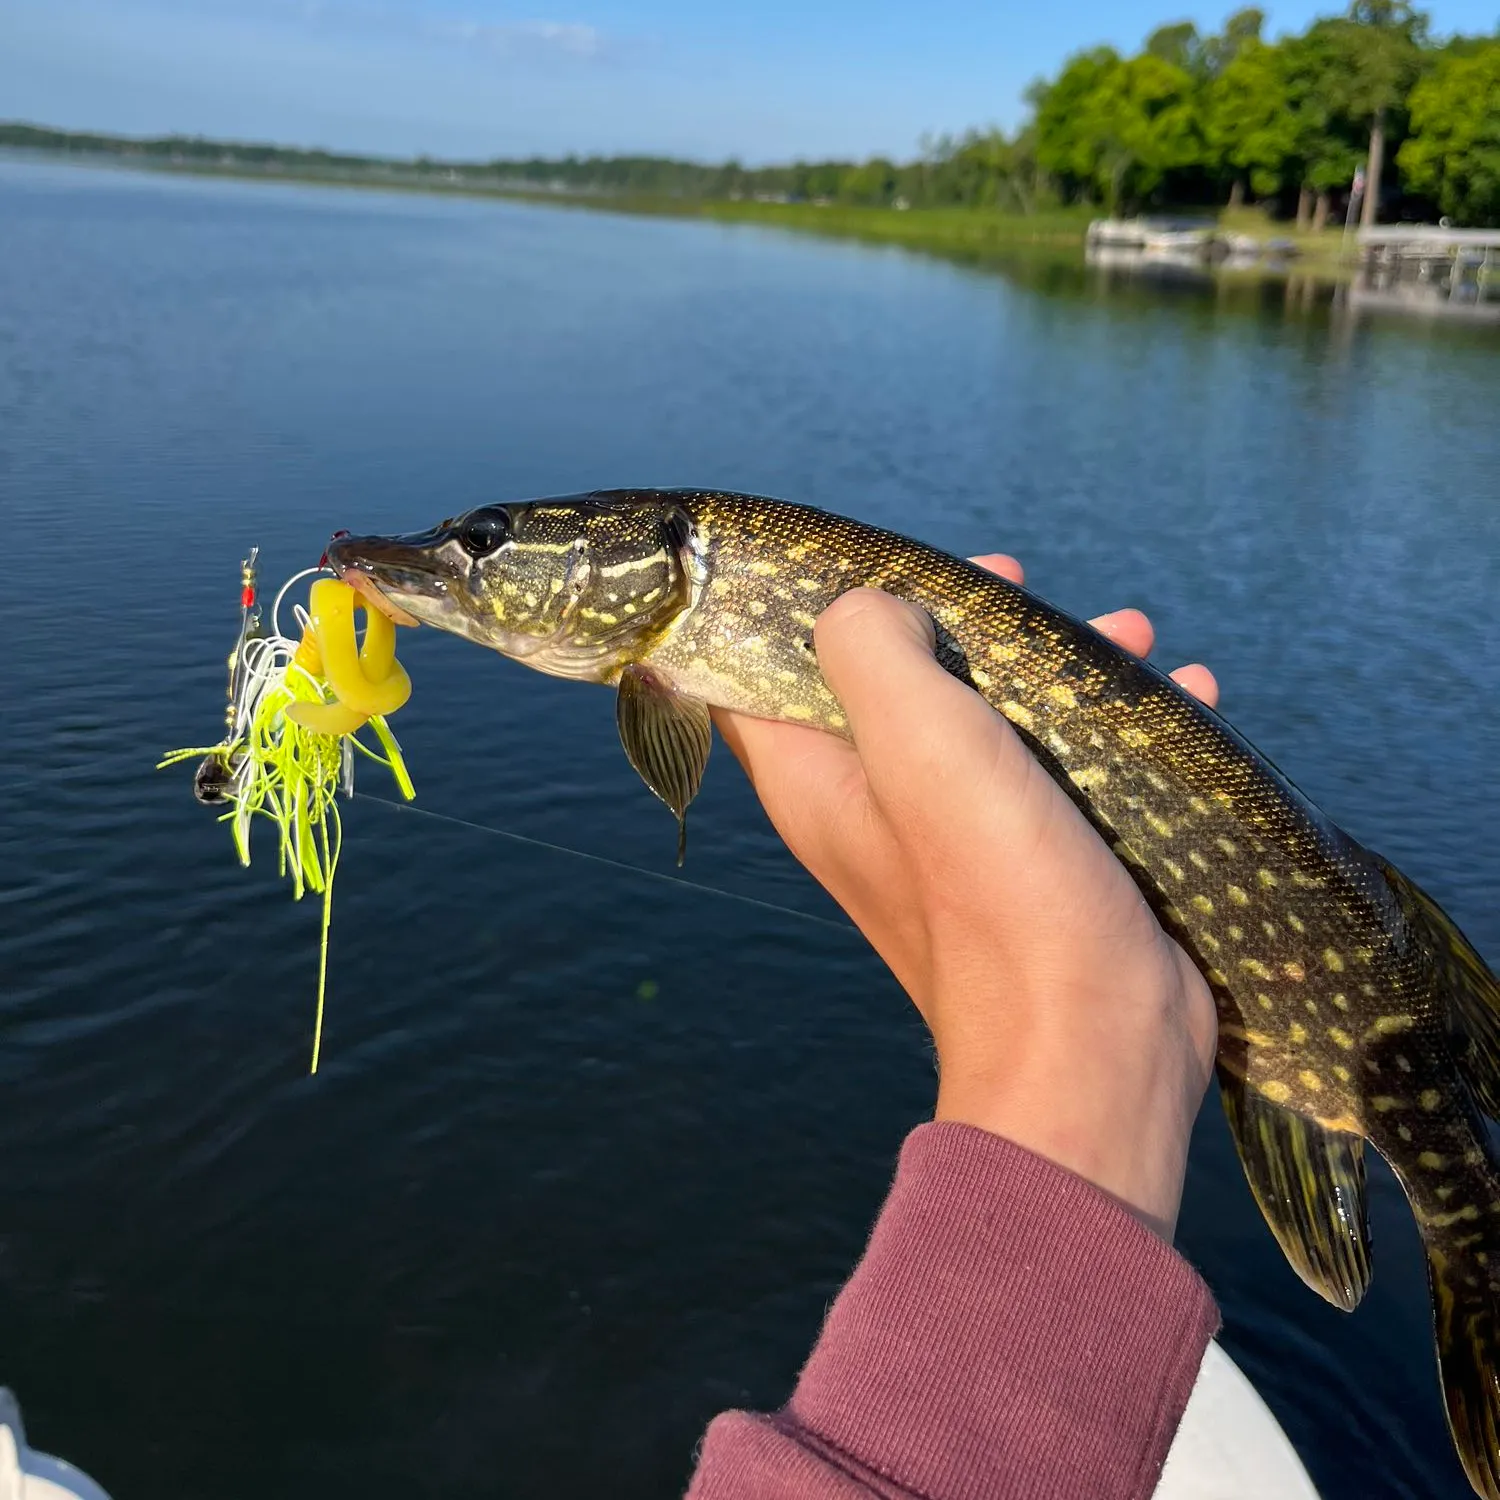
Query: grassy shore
961,233
967,233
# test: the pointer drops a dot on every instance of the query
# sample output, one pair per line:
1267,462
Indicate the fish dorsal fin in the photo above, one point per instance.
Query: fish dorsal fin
1466,986
1310,1185
667,736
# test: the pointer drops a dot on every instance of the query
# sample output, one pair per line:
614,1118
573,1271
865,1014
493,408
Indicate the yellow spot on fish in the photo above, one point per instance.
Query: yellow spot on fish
1133,736
1341,1000
1198,860
981,679
1296,1033
1003,651
1310,1080
1058,743
1236,934
1158,783
1198,805
1238,896
1091,778
1333,960
1276,1091
1256,967
1294,971
1266,878
1018,714
1403,1132
1266,1002
1204,905
837,720
802,618
1403,1063
809,585
763,568
1295,922
1341,1073
787,677
1312,1006
1340,1038
1174,869
556,586
1308,882
1259,1038
755,606
1383,1104
1389,1026
1228,846
1159,826
1062,695
1210,941
1429,1099
1432,1161
796,711
1269,928
1217,976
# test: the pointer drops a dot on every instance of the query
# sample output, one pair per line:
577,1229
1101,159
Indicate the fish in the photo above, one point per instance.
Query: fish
1351,1008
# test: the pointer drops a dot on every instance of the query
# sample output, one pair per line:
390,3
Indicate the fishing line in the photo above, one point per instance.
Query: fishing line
520,838
613,864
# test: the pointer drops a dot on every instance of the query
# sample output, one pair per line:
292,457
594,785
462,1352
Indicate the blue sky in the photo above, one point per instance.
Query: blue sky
479,78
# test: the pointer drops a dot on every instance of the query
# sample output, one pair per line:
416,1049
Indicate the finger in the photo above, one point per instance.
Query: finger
792,767
910,719
1128,628
1003,564
1199,681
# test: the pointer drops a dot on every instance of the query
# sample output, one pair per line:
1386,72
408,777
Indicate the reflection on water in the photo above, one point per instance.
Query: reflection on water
1465,284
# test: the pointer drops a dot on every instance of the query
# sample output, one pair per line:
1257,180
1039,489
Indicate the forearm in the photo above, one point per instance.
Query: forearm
1011,1332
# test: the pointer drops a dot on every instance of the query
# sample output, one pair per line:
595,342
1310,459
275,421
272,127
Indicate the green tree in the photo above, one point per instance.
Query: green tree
1249,122
1453,153
1113,128
1241,30
1178,44
1377,49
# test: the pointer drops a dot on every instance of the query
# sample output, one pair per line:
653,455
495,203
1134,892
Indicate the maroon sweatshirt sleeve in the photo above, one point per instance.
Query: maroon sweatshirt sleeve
1012,1333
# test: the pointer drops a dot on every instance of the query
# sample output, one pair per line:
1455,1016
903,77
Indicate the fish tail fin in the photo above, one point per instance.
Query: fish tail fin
1470,991
1466,1322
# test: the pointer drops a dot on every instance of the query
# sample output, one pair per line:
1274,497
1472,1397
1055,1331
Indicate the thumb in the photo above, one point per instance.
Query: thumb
908,716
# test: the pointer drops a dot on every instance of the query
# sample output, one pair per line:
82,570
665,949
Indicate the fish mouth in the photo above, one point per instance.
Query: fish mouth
398,575
365,585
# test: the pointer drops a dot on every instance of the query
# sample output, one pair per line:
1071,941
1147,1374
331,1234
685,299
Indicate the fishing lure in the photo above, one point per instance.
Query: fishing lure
295,708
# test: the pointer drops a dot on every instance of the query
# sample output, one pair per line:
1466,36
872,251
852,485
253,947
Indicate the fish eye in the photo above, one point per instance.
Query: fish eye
483,532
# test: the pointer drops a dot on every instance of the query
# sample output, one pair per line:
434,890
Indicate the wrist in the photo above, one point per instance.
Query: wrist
1127,1140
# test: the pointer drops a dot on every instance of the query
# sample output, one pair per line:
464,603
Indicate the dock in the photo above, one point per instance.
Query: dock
1428,268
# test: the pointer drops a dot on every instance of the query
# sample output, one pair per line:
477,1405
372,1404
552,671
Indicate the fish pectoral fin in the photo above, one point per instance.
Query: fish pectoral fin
667,736
1310,1185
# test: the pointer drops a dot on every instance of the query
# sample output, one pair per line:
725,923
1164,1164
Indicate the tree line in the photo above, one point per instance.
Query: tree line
1190,120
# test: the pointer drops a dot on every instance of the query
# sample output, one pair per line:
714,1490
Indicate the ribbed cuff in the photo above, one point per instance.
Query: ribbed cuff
1011,1332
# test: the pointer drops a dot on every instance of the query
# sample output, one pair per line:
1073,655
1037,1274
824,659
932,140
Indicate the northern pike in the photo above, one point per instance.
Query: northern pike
1351,1008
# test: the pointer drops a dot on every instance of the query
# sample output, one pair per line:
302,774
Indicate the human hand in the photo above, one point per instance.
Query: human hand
1064,1018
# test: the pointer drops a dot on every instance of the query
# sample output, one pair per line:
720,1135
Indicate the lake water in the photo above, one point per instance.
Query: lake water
590,1152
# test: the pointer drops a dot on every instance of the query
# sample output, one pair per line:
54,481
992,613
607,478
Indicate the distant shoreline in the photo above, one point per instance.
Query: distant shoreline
963,233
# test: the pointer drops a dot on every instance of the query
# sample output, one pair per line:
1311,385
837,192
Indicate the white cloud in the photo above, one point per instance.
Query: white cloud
569,38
